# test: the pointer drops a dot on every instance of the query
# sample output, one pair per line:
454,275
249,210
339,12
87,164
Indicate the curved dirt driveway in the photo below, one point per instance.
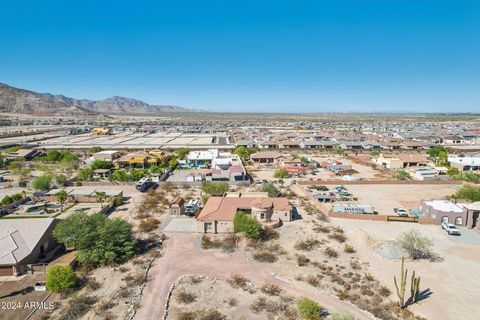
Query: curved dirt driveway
180,257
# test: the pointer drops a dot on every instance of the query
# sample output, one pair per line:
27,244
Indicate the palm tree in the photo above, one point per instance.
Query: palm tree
61,197
101,196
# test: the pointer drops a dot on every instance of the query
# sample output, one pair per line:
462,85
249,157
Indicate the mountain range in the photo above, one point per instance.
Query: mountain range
20,101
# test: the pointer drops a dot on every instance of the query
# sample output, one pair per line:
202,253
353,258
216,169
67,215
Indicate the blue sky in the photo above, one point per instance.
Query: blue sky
250,56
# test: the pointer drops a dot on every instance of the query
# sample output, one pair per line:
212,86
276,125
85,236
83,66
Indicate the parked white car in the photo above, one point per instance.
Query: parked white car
451,229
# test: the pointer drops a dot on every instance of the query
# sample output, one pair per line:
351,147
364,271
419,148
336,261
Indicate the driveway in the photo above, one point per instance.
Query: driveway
181,257
181,224
468,236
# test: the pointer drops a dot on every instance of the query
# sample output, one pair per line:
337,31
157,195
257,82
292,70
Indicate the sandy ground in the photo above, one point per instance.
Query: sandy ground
181,257
453,281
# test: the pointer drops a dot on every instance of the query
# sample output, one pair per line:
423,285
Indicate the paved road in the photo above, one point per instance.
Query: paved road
180,257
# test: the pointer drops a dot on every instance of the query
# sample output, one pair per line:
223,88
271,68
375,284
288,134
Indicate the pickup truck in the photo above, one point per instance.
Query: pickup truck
451,229
401,212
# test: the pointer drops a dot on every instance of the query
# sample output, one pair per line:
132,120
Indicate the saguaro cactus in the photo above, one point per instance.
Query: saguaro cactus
414,287
401,287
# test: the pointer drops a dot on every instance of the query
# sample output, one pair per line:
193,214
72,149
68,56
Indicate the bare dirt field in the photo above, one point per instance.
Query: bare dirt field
453,281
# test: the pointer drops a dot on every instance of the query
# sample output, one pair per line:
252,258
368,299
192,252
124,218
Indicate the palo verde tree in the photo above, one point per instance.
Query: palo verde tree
281,173
247,225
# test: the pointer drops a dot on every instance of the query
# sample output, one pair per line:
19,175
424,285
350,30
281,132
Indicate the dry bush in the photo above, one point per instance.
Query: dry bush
238,281
268,233
261,304
123,269
77,307
202,314
302,260
322,228
384,291
340,237
338,230
149,224
330,252
232,302
227,244
368,277
271,289
185,297
124,292
105,305
348,248
264,256
355,264
313,281
135,279
93,284
195,280
307,244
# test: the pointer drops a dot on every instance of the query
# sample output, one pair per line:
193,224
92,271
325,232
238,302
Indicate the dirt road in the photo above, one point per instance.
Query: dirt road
182,257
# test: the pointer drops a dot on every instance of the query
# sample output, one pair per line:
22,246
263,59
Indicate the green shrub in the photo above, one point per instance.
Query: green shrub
271,190
309,309
402,175
60,278
247,225
10,199
467,192
281,173
341,315
215,188
43,183
101,164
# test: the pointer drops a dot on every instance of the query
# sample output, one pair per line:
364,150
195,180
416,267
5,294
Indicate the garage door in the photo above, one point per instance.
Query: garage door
6,271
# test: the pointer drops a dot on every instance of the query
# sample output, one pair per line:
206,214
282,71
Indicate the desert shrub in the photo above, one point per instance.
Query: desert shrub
77,307
368,277
232,302
202,314
302,260
322,228
271,289
149,224
238,281
185,297
247,225
93,284
384,291
330,252
416,245
271,190
227,244
309,309
313,281
340,237
60,278
348,248
307,244
281,173
341,315
134,279
268,233
264,256
355,265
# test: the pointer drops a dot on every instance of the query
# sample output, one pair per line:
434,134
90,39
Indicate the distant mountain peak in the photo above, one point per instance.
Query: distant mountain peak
14,100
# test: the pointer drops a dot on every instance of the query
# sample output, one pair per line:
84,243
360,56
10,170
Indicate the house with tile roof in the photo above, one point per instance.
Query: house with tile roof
218,213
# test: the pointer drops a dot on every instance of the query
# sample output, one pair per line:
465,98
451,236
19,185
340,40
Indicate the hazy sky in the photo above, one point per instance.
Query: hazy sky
286,56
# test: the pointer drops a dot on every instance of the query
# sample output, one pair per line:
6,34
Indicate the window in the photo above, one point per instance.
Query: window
262,216
459,221
445,219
